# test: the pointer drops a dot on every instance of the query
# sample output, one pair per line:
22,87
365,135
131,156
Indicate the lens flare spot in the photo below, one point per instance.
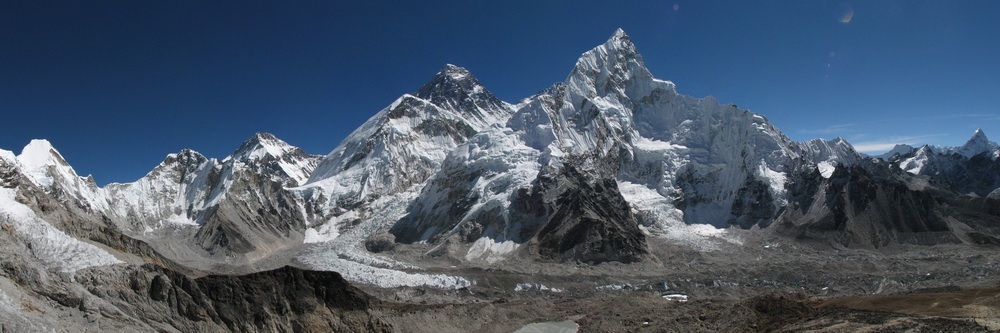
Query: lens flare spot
844,13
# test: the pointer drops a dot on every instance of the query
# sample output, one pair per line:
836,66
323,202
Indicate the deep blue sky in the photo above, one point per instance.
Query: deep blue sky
118,84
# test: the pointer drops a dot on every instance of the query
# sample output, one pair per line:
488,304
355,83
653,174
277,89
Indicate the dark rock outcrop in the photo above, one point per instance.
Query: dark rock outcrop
282,300
591,221
876,206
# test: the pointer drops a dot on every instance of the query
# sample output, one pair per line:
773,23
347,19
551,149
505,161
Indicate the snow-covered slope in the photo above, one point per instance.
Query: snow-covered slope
704,162
177,191
827,154
401,146
978,144
973,168
43,164
283,163
55,249
237,207
186,187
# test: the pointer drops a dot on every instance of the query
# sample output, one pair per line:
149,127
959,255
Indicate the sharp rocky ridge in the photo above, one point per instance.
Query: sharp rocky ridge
587,170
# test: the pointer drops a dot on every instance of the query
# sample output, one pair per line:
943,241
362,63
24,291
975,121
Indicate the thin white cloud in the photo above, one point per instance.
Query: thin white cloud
986,116
833,129
886,143
874,147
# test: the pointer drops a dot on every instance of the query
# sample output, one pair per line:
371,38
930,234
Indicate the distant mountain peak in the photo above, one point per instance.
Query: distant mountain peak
620,40
619,33
264,136
260,145
38,155
186,154
619,44
978,136
977,144
448,79
455,88
455,72
900,149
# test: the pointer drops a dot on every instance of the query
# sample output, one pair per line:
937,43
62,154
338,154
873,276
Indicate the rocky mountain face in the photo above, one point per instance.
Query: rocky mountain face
874,207
281,300
589,170
971,169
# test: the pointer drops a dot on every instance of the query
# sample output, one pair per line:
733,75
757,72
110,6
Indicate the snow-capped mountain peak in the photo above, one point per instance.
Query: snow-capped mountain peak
901,149
265,149
455,88
406,142
36,159
604,69
46,167
960,168
456,73
976,145
260,146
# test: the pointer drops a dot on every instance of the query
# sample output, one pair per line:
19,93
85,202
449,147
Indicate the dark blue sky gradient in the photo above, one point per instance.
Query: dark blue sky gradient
118,84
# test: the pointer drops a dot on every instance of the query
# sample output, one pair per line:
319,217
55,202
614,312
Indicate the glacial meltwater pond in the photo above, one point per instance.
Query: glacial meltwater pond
550,327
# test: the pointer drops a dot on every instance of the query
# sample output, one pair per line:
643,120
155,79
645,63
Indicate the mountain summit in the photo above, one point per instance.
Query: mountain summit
455,88
977,144
604,69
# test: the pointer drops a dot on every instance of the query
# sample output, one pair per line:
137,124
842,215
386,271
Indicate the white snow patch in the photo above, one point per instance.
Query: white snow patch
668,221
654,145
774,178
567,326
676,297
826,169
5,301
490,250
326,233
35,159
916,163
181,220
535,287
616,287
56,249
329,230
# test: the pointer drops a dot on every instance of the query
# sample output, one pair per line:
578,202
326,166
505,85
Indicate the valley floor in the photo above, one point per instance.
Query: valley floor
749,282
